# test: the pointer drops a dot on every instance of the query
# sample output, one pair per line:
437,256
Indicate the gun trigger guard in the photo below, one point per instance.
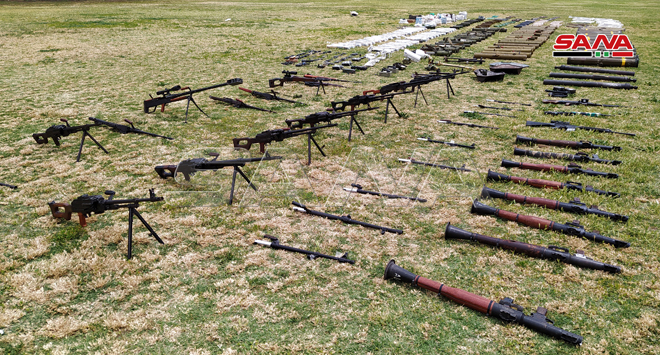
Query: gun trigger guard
311,256
575,223
556,248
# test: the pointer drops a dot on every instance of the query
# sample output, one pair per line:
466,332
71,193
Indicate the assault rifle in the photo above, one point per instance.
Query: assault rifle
167,96
278,135
535,251
569,144
56,132
573,113
311,255
465,124
569,127
572,228
238,103
451,143
13,187
570,169
584,102
548,184
325,116
124,129
498,108
580,156
358,189
413,161
267,96
299,207
191,166
574,206
505,310
85,205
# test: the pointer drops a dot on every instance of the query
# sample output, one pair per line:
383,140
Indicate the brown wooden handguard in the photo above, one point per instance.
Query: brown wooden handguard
470,300
557,143
544,167
531,221
55,210
552,204
537,182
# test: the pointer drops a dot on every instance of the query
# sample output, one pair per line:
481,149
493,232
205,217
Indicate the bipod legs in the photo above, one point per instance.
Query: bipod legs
190,99
321,86
82,141
233,183
387,107
350,127
449,88
419,90
311,140
133,212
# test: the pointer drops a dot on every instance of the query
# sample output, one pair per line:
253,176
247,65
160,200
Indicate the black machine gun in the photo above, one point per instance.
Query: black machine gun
570,127
326,116
290,77
278,135
189,167
311,255
85,205
56,132
167,96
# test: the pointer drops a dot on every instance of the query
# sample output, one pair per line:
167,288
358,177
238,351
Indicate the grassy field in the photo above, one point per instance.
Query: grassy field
69,289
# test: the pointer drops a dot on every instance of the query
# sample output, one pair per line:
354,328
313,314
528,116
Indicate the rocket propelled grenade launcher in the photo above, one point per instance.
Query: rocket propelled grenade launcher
575,206
572,228
505,310
570,127
547,184
561,143
358,189
311,255
570,169
535,251
581,156
167,96
299,207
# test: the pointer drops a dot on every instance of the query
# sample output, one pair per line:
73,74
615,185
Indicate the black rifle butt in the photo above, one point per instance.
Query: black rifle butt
487,192
524,140
393,271
518,151
482,209
538,124
495,176
510,164
452,232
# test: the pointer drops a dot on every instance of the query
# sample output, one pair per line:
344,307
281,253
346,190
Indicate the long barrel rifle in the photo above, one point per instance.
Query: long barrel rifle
574,206
299,207
465,124
238,103
290,77
311,255
548,184
449,143
440,166
190,167
580,156
574,113
535,251
572,228
357,188
56,132
13,187
167,96
570,127
85,205
269,96
584,102
570,169
278,135
124,129
327,117
505,310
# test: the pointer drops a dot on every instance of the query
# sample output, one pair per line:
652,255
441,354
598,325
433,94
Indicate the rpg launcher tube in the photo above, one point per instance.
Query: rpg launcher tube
571,169
547,184
571,207
573,228
605,62
505,310
592,77
535,251
590,84
561,143
573,157
595,70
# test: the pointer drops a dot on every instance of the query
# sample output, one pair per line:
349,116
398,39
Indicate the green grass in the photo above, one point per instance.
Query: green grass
69,289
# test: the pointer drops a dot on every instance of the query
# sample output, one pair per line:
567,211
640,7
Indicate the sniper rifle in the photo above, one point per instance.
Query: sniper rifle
569,127
299,207
311,255
238,103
